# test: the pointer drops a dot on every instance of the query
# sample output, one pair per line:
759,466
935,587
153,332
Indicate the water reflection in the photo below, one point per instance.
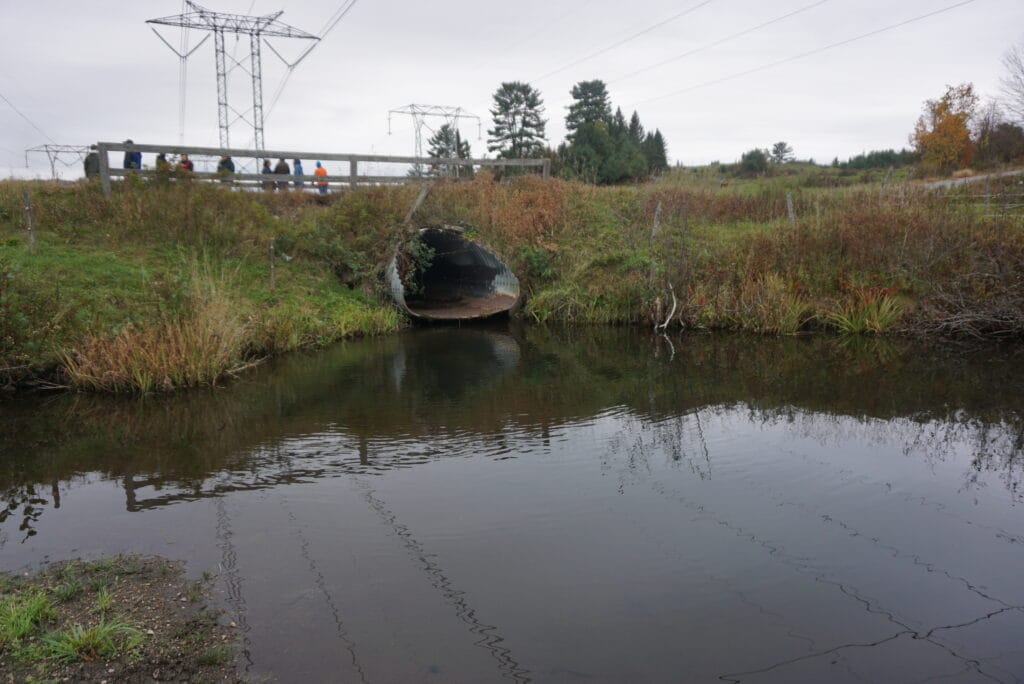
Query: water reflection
548,505
478,383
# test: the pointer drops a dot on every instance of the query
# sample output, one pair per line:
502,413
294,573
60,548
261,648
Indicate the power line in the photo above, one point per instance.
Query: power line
622,42
719,41
328,26
549,24
815,51
22,115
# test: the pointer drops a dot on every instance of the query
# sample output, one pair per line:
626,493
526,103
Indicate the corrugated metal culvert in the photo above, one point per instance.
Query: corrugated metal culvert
450,278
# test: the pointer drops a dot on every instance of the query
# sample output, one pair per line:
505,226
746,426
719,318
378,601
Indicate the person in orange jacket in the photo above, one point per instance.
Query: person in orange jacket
322,180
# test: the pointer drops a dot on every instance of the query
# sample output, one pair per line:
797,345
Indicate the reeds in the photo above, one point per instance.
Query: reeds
197,347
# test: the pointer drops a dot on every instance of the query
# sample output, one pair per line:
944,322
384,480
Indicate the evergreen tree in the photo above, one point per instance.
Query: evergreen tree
781,153
655,152
447,143
590,105
518,121
636,131
619,126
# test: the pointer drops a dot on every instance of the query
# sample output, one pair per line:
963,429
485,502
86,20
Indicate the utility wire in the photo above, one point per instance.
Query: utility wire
328,26
30,122
718,42
815,51
629,38
551,23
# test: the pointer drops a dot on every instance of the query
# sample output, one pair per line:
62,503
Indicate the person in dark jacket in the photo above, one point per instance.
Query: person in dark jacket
267,185
282,168
132,158
92,163
186,164
225,168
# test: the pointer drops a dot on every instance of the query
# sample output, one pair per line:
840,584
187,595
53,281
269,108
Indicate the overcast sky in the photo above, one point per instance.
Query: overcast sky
90,71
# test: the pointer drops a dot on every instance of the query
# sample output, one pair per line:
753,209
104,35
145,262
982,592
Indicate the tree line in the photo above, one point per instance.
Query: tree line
601,146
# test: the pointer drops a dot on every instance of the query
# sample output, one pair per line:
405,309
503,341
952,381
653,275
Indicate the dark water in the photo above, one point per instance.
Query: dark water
566,506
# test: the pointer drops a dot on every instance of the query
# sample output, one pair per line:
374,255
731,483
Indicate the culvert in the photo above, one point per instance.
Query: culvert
456,279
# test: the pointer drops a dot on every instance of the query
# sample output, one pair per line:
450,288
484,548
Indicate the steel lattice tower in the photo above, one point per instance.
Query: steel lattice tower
257,28
420,113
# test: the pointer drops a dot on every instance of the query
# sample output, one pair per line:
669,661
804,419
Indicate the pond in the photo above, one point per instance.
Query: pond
565,505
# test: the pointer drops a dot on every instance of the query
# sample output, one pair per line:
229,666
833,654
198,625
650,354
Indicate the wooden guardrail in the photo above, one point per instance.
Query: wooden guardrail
352,179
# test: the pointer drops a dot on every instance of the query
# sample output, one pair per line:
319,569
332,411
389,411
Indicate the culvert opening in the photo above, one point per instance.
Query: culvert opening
456,279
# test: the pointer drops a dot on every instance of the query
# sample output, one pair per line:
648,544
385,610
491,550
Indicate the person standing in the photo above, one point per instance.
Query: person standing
321,182
92,163
282,169
267,185
132,158
186,164
297,170
225,168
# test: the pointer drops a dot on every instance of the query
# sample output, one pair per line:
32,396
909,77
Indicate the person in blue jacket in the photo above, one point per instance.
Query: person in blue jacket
132,158
297,170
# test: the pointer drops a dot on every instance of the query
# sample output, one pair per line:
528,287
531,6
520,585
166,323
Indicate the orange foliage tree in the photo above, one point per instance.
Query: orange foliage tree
942,135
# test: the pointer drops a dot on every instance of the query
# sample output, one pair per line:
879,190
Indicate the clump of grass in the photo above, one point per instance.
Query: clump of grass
874,313
104,599
104,640
196,348
215,655
68,590
20,615
769,305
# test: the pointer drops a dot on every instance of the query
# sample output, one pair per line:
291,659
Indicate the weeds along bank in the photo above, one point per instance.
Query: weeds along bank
161,286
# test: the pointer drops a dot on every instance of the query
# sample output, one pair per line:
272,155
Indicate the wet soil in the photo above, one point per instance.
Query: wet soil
169,629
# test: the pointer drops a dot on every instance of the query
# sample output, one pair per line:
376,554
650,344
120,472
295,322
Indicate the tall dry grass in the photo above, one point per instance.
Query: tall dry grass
198,347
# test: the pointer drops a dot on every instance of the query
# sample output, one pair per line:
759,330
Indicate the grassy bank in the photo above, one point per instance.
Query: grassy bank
162,286
124,618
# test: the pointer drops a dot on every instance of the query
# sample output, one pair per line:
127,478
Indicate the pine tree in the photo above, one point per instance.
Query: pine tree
636,131
655,151
518,121
619,126
447,143
590,105
781,152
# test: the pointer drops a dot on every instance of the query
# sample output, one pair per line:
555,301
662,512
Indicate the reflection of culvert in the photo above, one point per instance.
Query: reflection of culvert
457,279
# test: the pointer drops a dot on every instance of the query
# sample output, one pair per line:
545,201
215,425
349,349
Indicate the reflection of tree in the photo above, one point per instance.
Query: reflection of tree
488,386
24,503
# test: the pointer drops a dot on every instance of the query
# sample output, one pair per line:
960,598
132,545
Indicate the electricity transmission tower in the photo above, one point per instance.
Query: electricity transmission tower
420,113
258,28
65,155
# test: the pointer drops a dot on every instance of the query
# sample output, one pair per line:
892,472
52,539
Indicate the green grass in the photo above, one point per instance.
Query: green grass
103,640
68,590
23,614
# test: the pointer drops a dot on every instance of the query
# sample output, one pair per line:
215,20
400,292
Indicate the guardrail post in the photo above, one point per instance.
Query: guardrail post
546,171
353,173
104,168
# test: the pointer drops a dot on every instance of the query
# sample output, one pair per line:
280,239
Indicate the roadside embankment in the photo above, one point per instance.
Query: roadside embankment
174,285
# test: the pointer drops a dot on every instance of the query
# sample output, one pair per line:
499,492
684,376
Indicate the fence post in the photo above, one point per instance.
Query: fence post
104,168
28,221
353,173
789,208
546,170
271,251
